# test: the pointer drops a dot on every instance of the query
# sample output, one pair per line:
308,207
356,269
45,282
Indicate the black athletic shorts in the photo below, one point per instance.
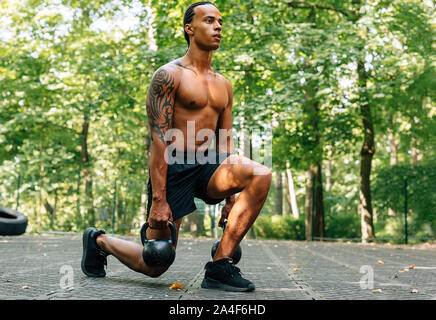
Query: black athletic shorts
188,178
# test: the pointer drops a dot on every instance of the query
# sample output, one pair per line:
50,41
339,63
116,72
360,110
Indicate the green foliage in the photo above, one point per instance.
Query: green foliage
390,192
392,229
293,69
279,227
343,225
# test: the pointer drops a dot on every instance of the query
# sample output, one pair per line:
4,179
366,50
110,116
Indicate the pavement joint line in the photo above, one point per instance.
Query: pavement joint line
38,268
372,256
55,293
381,279
83,283
14,258
303,286
193,284
330,259
401,250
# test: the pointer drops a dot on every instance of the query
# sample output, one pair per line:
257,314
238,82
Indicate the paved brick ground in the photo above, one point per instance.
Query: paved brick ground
33,267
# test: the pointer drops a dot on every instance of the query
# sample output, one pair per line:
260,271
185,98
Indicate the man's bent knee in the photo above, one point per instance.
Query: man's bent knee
262,180
153,272
261,170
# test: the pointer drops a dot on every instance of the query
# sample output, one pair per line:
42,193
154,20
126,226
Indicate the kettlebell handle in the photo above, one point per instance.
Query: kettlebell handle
147,225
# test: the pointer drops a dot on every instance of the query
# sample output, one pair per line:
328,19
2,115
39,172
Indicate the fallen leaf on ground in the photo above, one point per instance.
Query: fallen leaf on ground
412,266
377,291
414,291
176,286
380,262
25,287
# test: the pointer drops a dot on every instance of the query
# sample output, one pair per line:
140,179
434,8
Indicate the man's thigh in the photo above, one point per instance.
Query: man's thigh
233,174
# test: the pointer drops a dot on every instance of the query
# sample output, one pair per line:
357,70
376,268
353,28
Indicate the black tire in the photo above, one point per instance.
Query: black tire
12,223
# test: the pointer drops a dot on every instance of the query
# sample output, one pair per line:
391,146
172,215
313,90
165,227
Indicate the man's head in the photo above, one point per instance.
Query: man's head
204,20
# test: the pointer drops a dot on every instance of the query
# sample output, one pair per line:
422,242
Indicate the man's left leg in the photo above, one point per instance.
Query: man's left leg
252,180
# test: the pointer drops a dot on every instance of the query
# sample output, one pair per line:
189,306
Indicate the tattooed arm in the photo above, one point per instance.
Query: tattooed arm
160,111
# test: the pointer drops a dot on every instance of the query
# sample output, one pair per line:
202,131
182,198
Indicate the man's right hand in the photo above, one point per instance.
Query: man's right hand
160,213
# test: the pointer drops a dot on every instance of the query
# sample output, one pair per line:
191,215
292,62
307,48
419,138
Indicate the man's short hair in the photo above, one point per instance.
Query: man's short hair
189,15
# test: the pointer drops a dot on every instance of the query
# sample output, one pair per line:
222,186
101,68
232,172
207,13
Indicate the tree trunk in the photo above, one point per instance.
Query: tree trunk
41,186
89,199
50,211
291,192
367,154
78,217
314,204
308,204
117,208
393,156
199,224
213,225
365,192
144,193
55,204
143,209
318,219
317,206
150,26
393,149
287,201
328,171
279,193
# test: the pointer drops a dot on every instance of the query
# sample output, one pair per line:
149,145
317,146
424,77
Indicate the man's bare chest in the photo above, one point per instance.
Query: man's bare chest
198,93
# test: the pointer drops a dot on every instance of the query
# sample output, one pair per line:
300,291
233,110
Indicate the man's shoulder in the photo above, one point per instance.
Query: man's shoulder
222,78
167,74
169,68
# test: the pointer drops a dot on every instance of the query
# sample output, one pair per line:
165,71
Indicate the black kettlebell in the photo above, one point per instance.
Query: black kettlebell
236,254
158,252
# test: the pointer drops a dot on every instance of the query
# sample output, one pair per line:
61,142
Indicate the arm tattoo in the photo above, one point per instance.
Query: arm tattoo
160,103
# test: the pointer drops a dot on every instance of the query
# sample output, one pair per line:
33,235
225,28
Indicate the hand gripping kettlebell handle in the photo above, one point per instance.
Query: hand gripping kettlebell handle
147,225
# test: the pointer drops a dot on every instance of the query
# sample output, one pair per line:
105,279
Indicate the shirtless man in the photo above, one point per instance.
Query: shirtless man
187,95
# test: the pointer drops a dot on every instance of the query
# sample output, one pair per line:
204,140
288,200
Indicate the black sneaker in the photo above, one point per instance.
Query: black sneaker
224,275
93,259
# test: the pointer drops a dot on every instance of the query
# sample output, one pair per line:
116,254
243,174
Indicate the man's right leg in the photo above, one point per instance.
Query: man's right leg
130,253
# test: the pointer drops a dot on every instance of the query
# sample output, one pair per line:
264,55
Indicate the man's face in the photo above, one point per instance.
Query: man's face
206,27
